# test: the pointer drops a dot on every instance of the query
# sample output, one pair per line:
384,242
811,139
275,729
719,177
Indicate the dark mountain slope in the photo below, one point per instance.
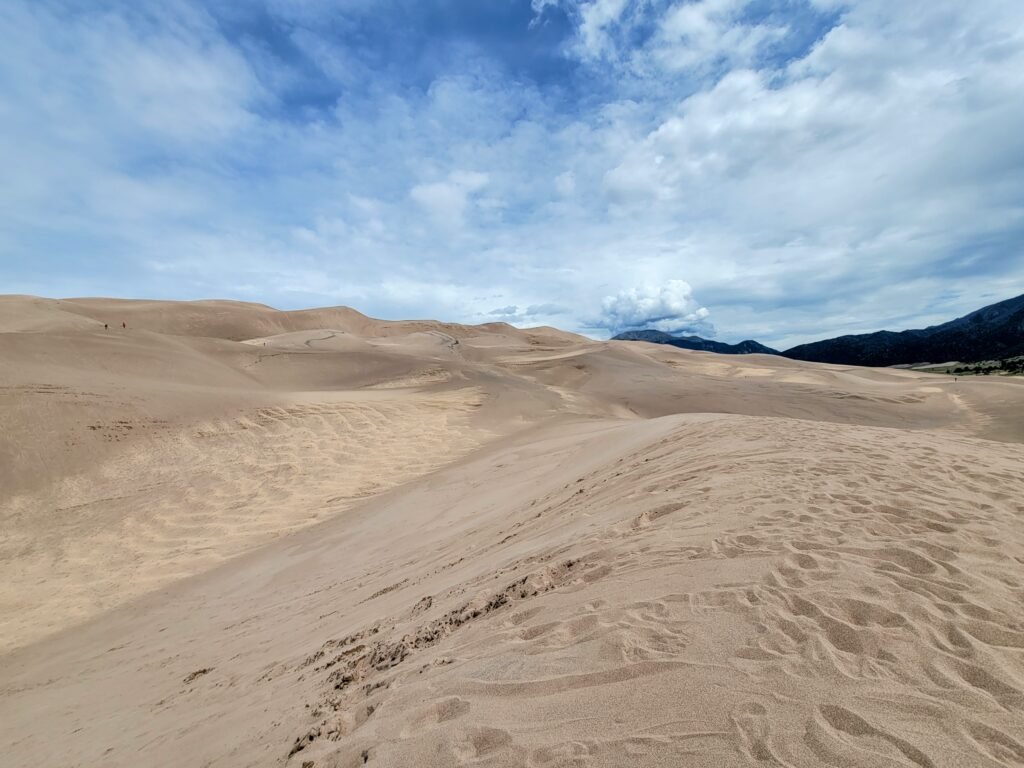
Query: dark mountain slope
747,347
992,332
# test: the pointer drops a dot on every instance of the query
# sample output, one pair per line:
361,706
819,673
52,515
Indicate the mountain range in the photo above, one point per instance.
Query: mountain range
990,333
748,347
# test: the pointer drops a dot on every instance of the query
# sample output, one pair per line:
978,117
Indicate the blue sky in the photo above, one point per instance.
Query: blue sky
777,169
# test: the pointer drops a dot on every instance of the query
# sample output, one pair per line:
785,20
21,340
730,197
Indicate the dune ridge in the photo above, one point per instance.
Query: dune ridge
234,538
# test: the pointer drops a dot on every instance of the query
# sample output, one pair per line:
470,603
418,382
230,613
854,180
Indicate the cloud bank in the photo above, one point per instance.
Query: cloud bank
809,167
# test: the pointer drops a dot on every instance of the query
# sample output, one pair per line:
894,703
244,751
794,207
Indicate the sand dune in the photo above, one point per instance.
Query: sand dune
235,536
183,499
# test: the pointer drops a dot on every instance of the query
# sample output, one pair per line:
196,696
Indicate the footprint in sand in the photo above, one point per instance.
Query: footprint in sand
481,742
751,723
442,711
840,736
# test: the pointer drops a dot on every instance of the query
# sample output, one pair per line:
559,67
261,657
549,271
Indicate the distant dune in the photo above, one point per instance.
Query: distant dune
237,536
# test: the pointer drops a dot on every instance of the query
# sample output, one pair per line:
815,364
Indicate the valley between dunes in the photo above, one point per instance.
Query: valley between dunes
234,536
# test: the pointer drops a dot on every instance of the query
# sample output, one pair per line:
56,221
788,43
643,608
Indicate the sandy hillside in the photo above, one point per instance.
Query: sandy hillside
235,536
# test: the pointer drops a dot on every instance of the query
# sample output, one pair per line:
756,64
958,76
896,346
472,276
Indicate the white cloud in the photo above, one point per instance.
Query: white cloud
565,183
596,16
446,201
669,307
876,154
533,315
696,35
538,7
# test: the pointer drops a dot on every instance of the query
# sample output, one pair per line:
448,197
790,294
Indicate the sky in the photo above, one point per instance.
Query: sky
783,170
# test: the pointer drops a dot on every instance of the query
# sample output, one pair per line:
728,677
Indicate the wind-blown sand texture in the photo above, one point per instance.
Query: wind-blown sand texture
234,536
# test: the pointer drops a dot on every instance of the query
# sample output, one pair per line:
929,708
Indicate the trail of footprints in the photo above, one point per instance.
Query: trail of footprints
864,592
822,613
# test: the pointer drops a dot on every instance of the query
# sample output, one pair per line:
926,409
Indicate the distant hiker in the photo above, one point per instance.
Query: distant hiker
124,325
104,326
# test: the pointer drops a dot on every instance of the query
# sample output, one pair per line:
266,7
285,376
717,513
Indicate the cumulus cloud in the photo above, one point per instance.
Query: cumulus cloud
670,308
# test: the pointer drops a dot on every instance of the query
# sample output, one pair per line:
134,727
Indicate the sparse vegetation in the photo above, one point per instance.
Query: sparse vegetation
1011,366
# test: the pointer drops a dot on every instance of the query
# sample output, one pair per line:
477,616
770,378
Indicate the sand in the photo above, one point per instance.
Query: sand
235,536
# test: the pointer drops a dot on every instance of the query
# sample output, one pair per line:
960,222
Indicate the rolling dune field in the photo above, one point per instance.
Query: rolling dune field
234,536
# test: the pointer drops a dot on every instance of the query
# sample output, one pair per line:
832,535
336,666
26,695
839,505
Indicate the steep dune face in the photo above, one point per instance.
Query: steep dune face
241,540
